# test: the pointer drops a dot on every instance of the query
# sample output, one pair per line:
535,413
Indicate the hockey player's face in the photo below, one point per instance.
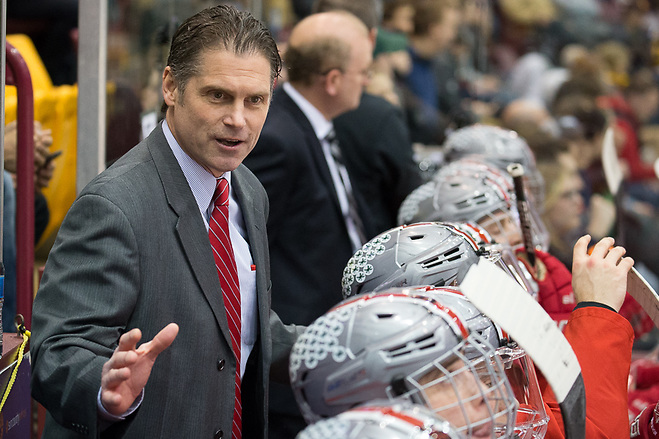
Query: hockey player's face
503,227
461,397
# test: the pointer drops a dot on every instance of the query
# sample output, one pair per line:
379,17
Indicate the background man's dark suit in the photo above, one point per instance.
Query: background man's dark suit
309,243
377,150
134,252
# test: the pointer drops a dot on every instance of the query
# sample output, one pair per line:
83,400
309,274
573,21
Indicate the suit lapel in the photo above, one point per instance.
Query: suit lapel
255,227
189,227
316,148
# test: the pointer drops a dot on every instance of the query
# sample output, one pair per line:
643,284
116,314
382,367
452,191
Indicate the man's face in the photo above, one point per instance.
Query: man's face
565,214
356,75
218,119
459,396
444,33
502,227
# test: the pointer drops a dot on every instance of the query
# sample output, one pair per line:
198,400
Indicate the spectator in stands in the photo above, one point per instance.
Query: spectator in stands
435,27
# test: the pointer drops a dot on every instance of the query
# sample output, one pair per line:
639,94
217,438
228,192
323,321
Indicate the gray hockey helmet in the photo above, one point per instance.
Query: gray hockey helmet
417,254
468,191
499,146
402,343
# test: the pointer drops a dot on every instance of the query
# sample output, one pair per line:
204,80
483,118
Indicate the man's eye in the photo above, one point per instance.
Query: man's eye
256,100
218,95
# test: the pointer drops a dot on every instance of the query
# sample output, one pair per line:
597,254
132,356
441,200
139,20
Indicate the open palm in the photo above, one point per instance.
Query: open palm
125,374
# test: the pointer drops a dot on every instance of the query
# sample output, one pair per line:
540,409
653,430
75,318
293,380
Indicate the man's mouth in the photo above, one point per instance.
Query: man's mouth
229,142
483,431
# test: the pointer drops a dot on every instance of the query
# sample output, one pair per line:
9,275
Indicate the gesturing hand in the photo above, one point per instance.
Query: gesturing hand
125,374
602,275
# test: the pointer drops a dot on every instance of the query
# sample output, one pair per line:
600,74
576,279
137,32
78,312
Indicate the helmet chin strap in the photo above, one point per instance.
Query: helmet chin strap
492,291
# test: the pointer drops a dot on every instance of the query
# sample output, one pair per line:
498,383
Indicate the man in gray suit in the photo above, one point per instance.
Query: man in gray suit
133,256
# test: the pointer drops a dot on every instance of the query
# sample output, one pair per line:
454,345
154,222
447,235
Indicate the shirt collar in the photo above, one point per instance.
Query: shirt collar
202,183
320,125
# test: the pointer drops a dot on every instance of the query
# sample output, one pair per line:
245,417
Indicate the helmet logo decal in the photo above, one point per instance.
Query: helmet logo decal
359,267
321,339
410,206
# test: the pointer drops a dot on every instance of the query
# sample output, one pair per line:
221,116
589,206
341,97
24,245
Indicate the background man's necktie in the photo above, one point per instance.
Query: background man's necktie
353,212
225,263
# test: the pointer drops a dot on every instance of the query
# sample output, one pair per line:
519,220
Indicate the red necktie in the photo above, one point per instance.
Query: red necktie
226,269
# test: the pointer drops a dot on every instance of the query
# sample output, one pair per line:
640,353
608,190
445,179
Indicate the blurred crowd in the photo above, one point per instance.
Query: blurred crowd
557,74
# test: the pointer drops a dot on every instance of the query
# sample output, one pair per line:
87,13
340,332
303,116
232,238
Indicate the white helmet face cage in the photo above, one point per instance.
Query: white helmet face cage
532,418
382,345
470,393
382,420
500,147
418,254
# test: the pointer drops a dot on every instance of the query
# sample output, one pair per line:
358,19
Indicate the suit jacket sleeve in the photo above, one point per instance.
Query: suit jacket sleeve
283,338
93,269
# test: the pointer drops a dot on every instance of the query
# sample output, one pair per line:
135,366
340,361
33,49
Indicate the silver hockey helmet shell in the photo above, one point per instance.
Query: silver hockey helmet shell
502,146
475,320
416,254
457,197
477,166
470,191
382,345
382,420
502,255
499,146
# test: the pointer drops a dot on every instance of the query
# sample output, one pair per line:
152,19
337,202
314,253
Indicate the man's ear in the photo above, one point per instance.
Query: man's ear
169,87
332,82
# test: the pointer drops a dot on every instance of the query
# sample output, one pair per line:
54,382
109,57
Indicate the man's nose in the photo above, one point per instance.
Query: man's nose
236,116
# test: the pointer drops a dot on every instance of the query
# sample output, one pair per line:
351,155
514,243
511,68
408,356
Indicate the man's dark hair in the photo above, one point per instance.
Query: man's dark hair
368,11
220,27
428,13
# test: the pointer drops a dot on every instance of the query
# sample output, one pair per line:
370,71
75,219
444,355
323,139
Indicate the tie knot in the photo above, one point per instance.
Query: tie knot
331,137
221,195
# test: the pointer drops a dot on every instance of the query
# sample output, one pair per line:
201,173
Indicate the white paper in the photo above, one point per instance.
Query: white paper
504,301
610,163
644,294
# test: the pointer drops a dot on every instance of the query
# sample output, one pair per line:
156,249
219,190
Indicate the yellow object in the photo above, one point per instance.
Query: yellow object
19,360
55,107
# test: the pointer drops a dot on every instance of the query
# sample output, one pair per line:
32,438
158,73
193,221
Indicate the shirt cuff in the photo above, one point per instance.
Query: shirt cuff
107,416
586,304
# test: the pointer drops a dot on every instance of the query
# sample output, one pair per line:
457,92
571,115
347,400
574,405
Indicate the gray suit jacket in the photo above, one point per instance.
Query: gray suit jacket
133,251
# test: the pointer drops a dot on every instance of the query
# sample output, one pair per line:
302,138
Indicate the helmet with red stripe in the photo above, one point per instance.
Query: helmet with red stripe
382,420
409,343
